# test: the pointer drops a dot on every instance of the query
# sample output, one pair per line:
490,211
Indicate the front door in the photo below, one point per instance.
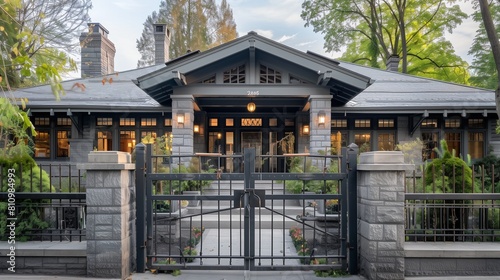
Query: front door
253,140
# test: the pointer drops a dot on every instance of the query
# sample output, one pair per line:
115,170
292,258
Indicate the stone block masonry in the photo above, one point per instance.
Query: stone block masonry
110,215
381,178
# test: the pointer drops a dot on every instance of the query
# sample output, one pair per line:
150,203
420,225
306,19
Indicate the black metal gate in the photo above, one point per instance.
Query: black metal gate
243,219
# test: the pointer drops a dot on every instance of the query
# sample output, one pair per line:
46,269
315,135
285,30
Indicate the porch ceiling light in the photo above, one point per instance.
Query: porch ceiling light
251,107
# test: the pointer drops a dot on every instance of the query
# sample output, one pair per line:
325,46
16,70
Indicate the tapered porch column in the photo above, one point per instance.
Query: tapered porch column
319,123
182,124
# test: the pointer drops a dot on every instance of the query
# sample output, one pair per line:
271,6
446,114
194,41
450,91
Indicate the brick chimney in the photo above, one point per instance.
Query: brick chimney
98,52
392,63
162,43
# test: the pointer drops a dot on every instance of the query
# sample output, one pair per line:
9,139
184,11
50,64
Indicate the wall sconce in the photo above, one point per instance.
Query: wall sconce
51,112
305,129
445,113
464,114
251,107
219,135
180,118
196,128
485,113
426,114
321,118
68,113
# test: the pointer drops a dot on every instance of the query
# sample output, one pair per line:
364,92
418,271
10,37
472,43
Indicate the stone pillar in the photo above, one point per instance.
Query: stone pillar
111,215
381,235
319,139
183,141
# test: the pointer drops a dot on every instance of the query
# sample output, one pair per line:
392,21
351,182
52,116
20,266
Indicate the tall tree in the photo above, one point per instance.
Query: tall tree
375,30
193,24
495,45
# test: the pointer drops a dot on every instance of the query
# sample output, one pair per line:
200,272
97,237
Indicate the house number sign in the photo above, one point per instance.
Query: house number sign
252,92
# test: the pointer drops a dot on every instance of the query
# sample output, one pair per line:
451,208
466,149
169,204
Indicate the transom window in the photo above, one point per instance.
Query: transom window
213,122
148,122
235,75
105,121
339,123
429,123
476,123
229,122
269,75
251,122
452,123
127,121
386,123
42,121
64,121
362,123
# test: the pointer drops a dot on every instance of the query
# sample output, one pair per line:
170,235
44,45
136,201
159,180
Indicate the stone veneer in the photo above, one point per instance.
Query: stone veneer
111,215
319,138
381,236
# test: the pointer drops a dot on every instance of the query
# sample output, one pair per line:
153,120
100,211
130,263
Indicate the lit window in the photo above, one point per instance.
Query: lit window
362,123
289,122
273,122
104,140
168,122
63,137
452,123
251,122
429,123
148,122
363,141
338,123
127,121
476,145
386,141
104,121
235,75
42,121
42,144
63,121
430,140
453,141
214,122
386,123
338,140
127,140
229,122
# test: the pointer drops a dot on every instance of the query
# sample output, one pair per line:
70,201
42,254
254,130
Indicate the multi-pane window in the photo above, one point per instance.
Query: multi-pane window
104,140
42,121
363,141
386,141
476,145
452,123
362,123
229,122
42,144
339,123
63,137
235,75
453,140
476,123
338,140
273,122
430,140
127,140
148,121
386,123
63,122
269,75
429,123
127,121
213,122
251,122
168,122
104,121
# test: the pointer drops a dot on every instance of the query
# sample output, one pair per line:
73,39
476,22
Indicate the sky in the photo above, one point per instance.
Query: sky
275,19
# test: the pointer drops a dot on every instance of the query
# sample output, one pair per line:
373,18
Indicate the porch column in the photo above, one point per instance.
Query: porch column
319,123
182,124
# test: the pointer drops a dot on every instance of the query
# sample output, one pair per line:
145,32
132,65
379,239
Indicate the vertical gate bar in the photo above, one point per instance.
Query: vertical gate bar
352,157
249,224
344,211
149,204
140,201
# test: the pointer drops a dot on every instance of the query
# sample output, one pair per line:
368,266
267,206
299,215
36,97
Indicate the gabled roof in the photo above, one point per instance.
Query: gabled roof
342,83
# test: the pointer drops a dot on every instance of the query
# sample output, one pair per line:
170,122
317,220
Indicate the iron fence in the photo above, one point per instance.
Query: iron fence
49,201
458,204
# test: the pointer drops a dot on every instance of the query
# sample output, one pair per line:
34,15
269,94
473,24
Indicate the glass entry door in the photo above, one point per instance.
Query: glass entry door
253,140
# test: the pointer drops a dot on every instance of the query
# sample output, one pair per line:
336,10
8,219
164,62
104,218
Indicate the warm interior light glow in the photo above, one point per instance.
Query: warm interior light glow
180,118
251,107
305,129
219,135
321,118
196,128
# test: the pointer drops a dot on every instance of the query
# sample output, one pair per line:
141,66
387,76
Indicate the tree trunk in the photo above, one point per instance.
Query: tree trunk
495,45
